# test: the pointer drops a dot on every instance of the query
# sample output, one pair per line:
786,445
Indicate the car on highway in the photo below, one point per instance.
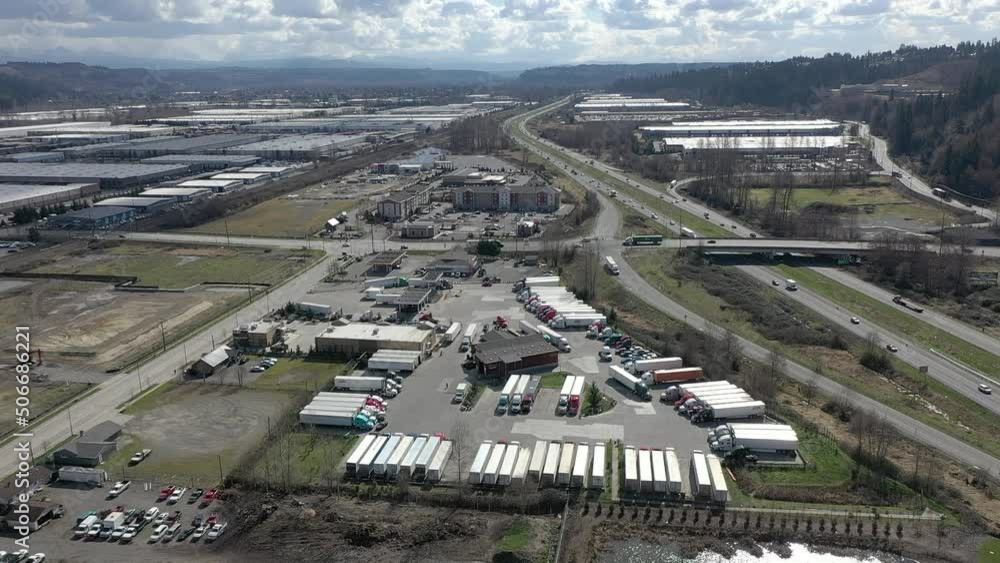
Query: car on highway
892,348
672,222
711,242
775,283
983,388
855,321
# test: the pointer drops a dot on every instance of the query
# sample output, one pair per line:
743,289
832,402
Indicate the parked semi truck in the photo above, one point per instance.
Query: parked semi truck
359,383
562,407
629,381
725,429
469,338
749,409
554,338
778,441
506,474
675,392
653,364
452,333
530,392
577,320
576,395
643,240
664,376
517,399
526,327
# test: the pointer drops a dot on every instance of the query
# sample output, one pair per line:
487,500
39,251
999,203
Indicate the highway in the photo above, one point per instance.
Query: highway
607,223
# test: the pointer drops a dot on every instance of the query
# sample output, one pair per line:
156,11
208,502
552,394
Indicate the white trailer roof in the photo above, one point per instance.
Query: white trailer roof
645,467
493,465
551,466
397,456
372,452
523,459
479,462
510,458
426,454
538,457
631,464
582,459
360,449
597,468
659,466
673,469
441,456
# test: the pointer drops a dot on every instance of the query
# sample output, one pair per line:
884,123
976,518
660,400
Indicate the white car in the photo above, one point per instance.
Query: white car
36,558
94,531
130,534
151,513
139,456
855,321
257,369
161,518
119,488
178,495
158,533
200,532
117,534
986,389
216,531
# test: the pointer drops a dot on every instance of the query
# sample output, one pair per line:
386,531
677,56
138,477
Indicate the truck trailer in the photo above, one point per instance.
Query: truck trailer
565,464
674,485
435,471
778,441
426,455
551,467
517,400
728,428
659,472
653,364
537,460
554,338
675,392
527,328
410,459
521,468
367,463
506,474
382,460
396,459
479,463
629,381
469,338
671,376
358,452
749,409
701,482
631,469
645,470
579,477
359,383
452,333
577,320
597,467
492,470
720,492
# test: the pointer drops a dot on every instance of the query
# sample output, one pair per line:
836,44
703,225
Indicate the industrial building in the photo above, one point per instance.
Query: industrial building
741,128
749,146
93,218
273,171
16,196
217,186
628,104
455,262
244,177
142,205
33,157
298,147
130,131
204,161
503,354
181,195
255,336
353,339
480,191
403,204
423,229
180,145
108,176
92,447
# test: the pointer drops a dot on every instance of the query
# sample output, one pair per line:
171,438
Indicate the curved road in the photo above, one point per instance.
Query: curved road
609,217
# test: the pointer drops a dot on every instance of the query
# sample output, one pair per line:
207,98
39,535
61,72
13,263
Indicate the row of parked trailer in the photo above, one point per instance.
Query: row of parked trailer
562,464
400,456
658,472
518,394
394,360
352,410
713,400
556,306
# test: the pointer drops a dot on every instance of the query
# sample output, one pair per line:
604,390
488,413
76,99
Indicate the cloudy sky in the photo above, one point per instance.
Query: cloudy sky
535,32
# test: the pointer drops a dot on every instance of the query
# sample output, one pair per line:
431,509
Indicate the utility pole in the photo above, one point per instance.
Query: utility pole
225,220
163,336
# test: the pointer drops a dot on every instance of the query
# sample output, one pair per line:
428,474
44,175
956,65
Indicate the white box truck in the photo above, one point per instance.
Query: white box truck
653,364
674,481
563,405
631,469
492,470
645,470
565,464
469,338
479,463
791,285
521,468
396,459
551,467
611,266
659,472
537,459
359,451
435,471
382,459
597,467
517,400
452,333
579,477
505,394
111,523
720,492
507,465
701,482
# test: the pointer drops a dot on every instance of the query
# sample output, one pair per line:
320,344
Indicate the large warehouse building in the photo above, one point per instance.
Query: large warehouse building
93,218
353,339
739,128
16,196
204,161
298,147
146,205
108,175
180,145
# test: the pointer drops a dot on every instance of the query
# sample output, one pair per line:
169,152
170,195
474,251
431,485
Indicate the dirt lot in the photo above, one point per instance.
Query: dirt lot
334,529
289,216
193,427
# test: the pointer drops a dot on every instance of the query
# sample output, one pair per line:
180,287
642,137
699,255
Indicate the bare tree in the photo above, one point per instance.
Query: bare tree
810,391
461,442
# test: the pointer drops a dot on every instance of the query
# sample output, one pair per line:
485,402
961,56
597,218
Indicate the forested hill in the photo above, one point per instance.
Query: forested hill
577,77
791,83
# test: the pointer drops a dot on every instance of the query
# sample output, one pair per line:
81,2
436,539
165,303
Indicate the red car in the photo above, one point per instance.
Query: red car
209,497
166,492
213,518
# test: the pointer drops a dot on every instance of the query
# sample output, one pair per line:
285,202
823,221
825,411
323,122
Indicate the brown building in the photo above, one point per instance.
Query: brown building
503,354
501,192
257,335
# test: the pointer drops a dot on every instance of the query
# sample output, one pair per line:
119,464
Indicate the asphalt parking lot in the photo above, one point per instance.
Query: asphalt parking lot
425,403
56,539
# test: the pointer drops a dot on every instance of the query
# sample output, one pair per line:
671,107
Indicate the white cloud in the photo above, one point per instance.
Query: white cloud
535,32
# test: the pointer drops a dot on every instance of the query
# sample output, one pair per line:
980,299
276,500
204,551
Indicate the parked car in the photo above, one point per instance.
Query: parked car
130,534
195,495
94,531
119,487
151,513
139,456
185,534
177,495
213,518
158,533
161,518
199,532
117,534
165,492
216,531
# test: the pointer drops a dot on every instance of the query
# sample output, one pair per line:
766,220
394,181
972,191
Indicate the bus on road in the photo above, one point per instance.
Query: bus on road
643,240
611,266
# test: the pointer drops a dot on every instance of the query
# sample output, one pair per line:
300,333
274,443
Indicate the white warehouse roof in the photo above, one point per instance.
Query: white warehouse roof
370,331
758,142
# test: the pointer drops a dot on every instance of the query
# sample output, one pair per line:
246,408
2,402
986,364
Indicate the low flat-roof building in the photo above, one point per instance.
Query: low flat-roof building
108,175
34,157
93,218
298,147
413,299
255,336
217,186
455,262
144,205
92,448
16,196
421,229
207,364
180,145
500,356
353,339
204,161
385,262
245,177
178,194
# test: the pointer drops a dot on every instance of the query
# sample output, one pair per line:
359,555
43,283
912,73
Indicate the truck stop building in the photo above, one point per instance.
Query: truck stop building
92,447
353,339
385,262
455,262
413,299
503,354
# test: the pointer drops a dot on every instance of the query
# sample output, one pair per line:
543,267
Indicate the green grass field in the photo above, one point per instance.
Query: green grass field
891,317
297,374
281,217
180,266
828,466
873,202
300,458
989,551
553,380
636,223
516,538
